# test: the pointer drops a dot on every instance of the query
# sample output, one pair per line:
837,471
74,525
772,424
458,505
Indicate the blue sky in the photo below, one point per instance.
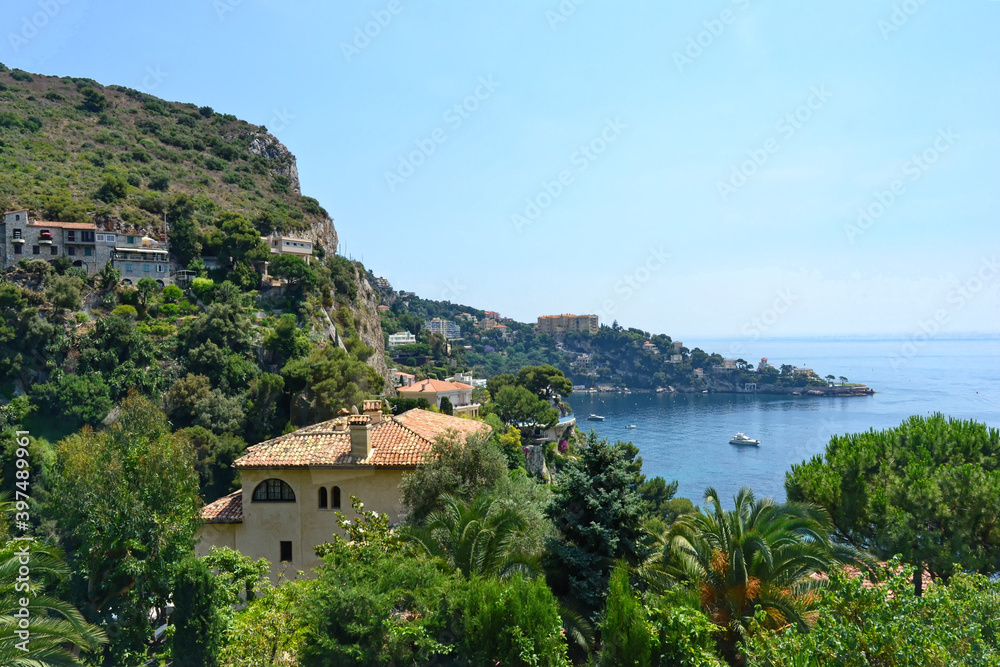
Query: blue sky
695,169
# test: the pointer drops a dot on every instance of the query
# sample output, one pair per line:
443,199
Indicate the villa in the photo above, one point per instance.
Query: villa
294,484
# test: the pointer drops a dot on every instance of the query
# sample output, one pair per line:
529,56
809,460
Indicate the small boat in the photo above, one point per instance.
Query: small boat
595,418
630,426
740,439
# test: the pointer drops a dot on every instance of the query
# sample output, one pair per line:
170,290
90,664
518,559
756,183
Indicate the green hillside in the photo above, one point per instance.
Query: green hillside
70,147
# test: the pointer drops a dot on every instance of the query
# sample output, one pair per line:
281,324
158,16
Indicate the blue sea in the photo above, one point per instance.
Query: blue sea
685,437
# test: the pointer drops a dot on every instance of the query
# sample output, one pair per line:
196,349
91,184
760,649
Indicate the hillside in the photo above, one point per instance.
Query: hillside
614,358
73,149
233,357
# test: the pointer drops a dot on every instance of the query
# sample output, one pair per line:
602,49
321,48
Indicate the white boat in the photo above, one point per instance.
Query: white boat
630,426
740,439
595,418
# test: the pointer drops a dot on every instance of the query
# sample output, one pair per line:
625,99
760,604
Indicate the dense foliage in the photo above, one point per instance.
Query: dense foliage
928,490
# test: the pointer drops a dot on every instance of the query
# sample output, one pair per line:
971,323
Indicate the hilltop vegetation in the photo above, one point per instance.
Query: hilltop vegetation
70,147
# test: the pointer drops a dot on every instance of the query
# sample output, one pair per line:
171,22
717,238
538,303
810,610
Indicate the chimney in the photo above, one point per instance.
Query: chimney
374,411
361,436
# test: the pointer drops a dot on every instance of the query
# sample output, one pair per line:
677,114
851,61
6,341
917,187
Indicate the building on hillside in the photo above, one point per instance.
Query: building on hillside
401,379
803,371
649,347
382,284
289,245
139,257
458,393
446,328
401,338
294,484
557,324
23,237
676,358
466,378
491,315
726,365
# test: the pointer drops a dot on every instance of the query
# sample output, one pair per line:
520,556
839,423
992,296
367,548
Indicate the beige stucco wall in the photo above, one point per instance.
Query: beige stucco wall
266,524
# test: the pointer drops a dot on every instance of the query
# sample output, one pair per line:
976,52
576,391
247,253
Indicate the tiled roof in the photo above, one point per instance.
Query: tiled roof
63,225
431,386
227,509
402,441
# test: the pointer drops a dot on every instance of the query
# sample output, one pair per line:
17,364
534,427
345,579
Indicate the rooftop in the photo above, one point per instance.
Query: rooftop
398,442
62,225
430,386
227,509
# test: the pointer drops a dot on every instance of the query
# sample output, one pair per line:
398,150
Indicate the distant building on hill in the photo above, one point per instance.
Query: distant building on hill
556,324
401,338
458,394
289,245
136,256
446,328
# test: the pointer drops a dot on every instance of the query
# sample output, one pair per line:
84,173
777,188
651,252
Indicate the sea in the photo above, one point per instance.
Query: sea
685,437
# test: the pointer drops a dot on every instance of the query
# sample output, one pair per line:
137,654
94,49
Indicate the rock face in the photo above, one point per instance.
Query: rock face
369,326
282,161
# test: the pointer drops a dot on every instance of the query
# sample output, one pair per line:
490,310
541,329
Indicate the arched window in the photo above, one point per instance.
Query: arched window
322,497
336,498
273,491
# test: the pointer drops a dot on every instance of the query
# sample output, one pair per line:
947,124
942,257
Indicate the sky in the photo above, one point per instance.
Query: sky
731,168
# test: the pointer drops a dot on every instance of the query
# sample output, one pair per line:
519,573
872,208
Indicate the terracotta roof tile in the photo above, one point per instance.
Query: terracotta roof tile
431,386
401,441
227,509
62,225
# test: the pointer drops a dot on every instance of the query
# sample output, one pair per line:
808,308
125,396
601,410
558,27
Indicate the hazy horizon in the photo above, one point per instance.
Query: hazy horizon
738,169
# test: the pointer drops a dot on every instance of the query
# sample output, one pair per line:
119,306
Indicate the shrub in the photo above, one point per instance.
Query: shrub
512,622
93,101
197,639
160,182
626,632
203,288
125,310
21,75
172,293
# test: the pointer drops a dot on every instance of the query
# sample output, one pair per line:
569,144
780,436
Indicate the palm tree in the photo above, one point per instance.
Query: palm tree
758,554
57,629
476,538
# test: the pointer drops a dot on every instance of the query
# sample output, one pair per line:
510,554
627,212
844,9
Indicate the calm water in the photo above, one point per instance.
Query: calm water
686,437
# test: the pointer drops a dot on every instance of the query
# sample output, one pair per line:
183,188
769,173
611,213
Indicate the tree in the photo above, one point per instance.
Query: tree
241,240
146,287
760,554
477,538
456,466
198,632
93,101
625,630
928,490
294,270
843,380
64,291
126,505
546,381
446,406
518,406
326,380
80,399
597,511
512,622
123,356
191,401
215,456
225,324
55,627
286,339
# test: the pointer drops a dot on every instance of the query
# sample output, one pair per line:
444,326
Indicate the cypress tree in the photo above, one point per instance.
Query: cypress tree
198,625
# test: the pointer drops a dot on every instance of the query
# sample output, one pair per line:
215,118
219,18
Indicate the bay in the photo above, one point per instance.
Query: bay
685,437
